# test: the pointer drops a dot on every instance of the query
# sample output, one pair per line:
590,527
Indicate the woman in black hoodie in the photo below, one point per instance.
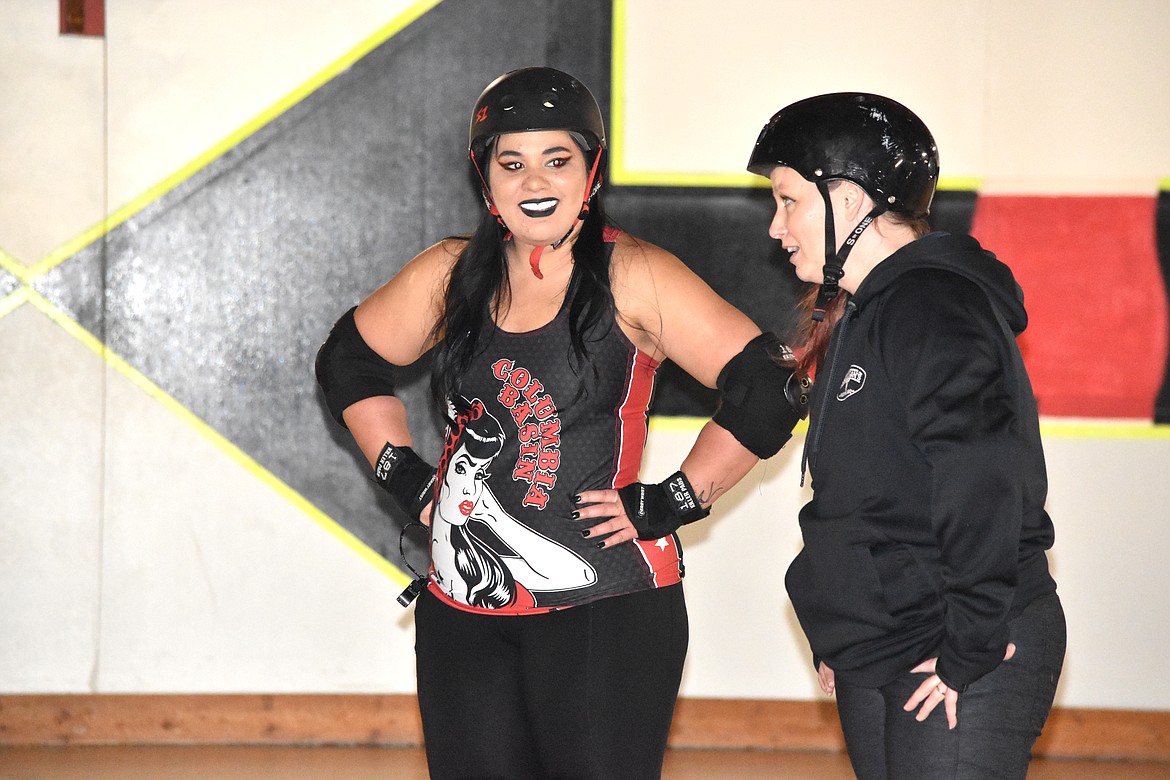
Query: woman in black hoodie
923,579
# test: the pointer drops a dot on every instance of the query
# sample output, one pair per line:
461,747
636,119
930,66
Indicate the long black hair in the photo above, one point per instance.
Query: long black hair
478,287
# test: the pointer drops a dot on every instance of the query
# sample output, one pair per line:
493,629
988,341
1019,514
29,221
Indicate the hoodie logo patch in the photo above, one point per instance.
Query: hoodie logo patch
852,383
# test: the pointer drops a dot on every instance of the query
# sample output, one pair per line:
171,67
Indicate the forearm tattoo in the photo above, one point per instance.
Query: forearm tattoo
707,497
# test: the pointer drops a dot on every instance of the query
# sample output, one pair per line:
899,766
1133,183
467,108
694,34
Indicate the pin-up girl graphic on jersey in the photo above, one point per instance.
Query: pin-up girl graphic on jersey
468,568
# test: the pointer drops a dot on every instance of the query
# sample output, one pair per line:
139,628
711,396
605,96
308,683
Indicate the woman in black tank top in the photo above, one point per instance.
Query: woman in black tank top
551,631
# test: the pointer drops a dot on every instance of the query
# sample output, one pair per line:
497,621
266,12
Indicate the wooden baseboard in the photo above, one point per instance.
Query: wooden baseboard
210,719
393,720
813,725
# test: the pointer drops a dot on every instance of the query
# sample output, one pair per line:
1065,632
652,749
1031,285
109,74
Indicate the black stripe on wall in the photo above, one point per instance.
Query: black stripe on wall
722,234
1162,221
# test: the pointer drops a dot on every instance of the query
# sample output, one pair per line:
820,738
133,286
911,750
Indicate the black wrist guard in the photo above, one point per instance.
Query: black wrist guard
658,510
406,477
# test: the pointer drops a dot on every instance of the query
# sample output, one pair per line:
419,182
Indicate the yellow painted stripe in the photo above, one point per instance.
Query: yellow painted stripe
960,183
13,301
74,245
683,179
71,327
677,424
14,267
617,93
82,240
1053,428
694,424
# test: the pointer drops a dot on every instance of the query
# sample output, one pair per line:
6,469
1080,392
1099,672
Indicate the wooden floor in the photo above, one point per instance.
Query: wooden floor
359,763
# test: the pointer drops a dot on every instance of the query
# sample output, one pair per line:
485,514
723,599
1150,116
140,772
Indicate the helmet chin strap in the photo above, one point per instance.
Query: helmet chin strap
591,188
835,258
487,197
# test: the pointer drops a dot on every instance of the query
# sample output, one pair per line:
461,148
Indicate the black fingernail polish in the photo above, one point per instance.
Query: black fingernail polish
576,499
575,515
600,545
585,532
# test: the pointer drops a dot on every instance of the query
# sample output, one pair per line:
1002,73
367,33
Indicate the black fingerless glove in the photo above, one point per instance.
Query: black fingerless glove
658,510
406,477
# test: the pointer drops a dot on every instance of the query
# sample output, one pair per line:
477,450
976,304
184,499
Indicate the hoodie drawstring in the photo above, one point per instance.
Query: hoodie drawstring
810,443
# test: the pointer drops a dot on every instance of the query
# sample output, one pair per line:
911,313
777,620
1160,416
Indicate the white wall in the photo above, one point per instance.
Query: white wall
1109,500
1037,96
141,553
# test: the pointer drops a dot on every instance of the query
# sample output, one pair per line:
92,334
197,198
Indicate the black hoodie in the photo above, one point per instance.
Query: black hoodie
927,528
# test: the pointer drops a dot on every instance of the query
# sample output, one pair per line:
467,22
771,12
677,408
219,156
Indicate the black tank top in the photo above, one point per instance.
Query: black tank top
529,434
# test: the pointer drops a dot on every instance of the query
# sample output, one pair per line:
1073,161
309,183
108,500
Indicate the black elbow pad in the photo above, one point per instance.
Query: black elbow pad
761,399
349,370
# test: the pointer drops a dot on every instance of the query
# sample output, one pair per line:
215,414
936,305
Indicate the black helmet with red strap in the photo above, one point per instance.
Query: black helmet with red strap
535,99
531,99
873,141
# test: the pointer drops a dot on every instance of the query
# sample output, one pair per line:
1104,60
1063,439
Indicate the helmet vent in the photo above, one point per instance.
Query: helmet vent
530,99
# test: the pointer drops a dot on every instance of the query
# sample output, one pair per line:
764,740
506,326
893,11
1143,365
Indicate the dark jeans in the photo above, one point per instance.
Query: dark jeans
1000,714
585,692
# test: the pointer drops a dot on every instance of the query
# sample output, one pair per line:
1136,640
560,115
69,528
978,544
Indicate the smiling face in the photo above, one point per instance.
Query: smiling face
799,223
537,181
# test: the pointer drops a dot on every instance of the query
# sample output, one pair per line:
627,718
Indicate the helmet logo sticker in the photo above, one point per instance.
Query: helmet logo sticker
482,115
852,383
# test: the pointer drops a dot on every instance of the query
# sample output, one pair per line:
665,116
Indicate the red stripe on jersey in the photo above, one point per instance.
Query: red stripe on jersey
662,556
631,417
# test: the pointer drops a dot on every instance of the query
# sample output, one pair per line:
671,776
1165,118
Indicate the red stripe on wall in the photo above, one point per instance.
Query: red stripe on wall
1096,341
83,17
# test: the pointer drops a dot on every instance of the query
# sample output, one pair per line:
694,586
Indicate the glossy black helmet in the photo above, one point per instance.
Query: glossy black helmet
535,99
870,140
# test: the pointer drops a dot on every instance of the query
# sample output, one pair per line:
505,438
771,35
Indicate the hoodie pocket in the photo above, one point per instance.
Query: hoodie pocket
850,590
835,591
908,591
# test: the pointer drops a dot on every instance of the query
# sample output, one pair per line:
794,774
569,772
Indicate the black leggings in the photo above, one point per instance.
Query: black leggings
1000,714
585,692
